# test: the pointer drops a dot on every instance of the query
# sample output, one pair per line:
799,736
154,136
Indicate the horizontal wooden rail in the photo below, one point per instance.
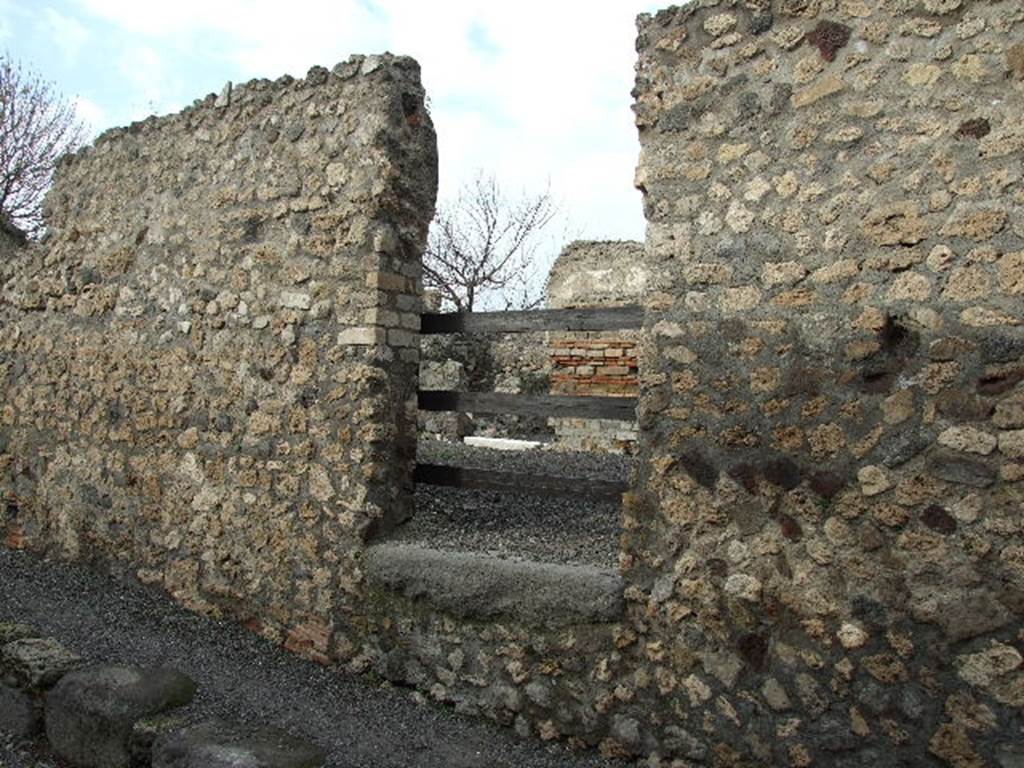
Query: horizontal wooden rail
591,319
515,482
560,406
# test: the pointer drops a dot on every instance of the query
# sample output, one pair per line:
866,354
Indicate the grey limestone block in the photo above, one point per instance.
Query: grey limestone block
470,585
11,631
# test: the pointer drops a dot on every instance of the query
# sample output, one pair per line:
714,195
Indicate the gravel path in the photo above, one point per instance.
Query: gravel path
245,678
559,530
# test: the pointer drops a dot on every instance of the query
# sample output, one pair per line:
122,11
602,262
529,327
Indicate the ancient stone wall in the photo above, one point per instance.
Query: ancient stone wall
827,544
824,548
823,554
208,371
596,273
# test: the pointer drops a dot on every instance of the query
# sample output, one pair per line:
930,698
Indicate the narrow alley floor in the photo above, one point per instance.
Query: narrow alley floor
245,678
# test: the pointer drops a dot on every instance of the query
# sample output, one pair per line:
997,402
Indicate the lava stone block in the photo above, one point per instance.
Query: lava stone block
91,713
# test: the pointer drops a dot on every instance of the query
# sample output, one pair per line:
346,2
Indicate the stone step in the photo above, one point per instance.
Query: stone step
472,585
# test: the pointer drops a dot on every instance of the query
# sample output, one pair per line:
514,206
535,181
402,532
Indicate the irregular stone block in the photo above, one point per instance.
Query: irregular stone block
829,37
91,713
963,471
35,664
968,439
9,632
895,223
222,745
962,614
826,86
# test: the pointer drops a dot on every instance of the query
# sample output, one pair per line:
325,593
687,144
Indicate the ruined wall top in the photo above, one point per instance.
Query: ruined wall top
260,176
597,272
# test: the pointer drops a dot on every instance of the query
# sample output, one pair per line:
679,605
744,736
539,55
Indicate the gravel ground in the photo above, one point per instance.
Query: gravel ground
558,530
243,677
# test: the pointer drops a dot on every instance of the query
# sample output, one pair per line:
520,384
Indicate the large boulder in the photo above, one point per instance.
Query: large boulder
19,712
91,713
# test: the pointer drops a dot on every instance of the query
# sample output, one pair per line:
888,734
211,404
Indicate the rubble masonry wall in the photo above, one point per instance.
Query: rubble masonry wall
824,547
208,369
827,544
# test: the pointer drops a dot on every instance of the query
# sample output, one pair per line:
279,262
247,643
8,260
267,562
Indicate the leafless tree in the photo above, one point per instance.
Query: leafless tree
37,126
484,244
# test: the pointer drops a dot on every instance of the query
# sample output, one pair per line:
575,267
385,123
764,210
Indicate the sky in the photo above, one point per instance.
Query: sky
536,92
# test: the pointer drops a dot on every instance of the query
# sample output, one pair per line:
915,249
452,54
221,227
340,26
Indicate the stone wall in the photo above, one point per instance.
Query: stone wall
596,273
594,364
597,363
827,547
823,554
823,548
592,273
208,371
512,363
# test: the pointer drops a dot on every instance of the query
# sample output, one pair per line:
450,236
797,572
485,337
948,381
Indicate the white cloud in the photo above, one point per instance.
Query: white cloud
552,98
66,32
262,37
533,91
144,69
91,114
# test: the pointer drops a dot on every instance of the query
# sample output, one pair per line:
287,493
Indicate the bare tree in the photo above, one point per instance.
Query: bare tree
37,126
484,244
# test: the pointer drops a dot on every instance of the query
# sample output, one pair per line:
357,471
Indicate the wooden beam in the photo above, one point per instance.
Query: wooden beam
561,406
514,482
584,319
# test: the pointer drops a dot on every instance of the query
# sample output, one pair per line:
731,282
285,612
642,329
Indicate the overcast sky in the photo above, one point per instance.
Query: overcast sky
535,91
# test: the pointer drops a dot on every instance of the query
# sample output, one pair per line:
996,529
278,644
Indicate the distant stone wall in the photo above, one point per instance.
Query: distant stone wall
826,544
209,370
591,273
597,363
596,273
594,364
